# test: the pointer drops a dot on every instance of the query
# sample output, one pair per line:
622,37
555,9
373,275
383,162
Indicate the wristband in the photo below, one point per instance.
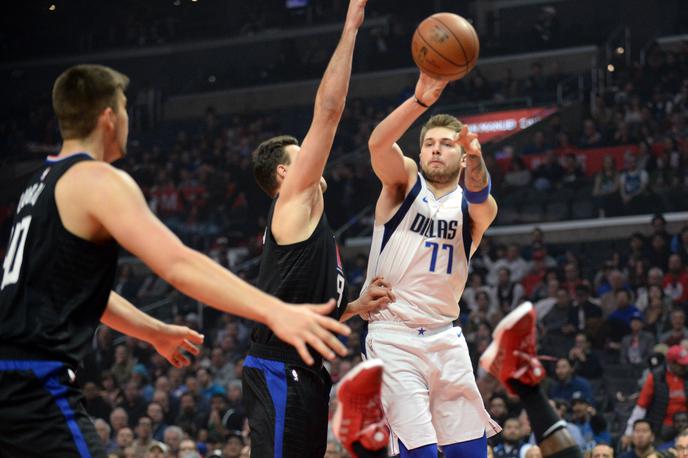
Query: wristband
479,197
420,103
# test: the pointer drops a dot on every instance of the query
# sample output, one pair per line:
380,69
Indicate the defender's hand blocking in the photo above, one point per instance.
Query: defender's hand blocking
376,296
306,325
172,339
428,89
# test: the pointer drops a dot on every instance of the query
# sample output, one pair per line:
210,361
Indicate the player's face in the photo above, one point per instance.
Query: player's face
293,152
440,158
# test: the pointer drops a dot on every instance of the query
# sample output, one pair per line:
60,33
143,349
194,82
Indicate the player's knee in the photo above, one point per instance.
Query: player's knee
426,451
473,448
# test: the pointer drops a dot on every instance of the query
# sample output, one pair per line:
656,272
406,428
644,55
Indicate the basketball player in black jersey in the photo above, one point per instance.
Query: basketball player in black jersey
58,271
287,401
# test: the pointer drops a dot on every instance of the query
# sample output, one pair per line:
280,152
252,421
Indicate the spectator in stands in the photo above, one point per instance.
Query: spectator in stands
633,186
498,408
557,325
508,291
133,403
605,191
118,420
233,445
173,438
187,448
512,440
144,435
156,414
124,438
123,366
223,369
548,174
103,430
680,424
681,444
544,305
585,416
208,387
585,361
572,277
572,173
158,450
637,346
676,281
642,440
517,177
190,420
616,282
538,145
95,405
602,451
657,313
565,383
678,331
659,252
619,321
585,314
563,409
658,224
591,136
679,244
663,394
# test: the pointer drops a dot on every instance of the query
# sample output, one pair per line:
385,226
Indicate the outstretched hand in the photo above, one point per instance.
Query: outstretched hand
428,89
173,339
377,296
308,324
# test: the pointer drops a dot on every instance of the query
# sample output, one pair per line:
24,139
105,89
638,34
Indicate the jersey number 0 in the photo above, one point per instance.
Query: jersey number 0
15,253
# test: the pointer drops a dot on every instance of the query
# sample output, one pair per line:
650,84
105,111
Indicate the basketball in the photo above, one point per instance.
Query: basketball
445,46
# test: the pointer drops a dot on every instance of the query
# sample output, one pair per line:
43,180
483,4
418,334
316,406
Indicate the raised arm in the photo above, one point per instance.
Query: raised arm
95,198
482,208
304,174
389,163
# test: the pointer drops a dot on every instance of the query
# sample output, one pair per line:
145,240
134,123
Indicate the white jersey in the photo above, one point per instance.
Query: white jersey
423,252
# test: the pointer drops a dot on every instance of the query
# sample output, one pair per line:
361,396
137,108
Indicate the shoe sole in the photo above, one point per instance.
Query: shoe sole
371,364
507,323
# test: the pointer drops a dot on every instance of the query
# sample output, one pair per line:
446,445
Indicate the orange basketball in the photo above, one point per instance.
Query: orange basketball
445,46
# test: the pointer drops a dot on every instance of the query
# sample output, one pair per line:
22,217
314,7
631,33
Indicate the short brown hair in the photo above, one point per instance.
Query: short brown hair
267,157
440,120
81,93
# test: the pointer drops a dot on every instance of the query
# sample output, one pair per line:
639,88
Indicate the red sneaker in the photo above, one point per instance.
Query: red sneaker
511,355
359,416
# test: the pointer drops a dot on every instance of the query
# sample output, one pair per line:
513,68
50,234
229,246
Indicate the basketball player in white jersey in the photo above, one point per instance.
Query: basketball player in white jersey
427,226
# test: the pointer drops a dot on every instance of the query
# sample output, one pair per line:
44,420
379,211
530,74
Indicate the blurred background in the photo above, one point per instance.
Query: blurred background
581,106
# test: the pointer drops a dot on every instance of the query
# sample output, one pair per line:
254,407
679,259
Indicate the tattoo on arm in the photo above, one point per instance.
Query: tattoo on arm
476,173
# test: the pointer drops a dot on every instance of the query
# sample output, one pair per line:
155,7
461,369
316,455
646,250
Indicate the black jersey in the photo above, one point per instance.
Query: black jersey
55,285
305,272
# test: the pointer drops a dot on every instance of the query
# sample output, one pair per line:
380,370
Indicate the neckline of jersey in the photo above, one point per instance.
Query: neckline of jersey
437,199
54,158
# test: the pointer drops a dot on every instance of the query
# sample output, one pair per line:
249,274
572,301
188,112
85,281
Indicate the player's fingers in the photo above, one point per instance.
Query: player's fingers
380,303
331,341
302,350
318,345
194,337
377,279
191,348
180,360
333,325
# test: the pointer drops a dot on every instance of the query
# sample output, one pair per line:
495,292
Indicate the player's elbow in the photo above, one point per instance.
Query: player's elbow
329,108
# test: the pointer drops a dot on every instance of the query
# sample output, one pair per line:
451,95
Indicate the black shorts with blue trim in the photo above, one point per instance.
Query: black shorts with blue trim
287,405
41,413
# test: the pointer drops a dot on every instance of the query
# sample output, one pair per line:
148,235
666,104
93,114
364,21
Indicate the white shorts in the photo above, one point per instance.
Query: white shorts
429,392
